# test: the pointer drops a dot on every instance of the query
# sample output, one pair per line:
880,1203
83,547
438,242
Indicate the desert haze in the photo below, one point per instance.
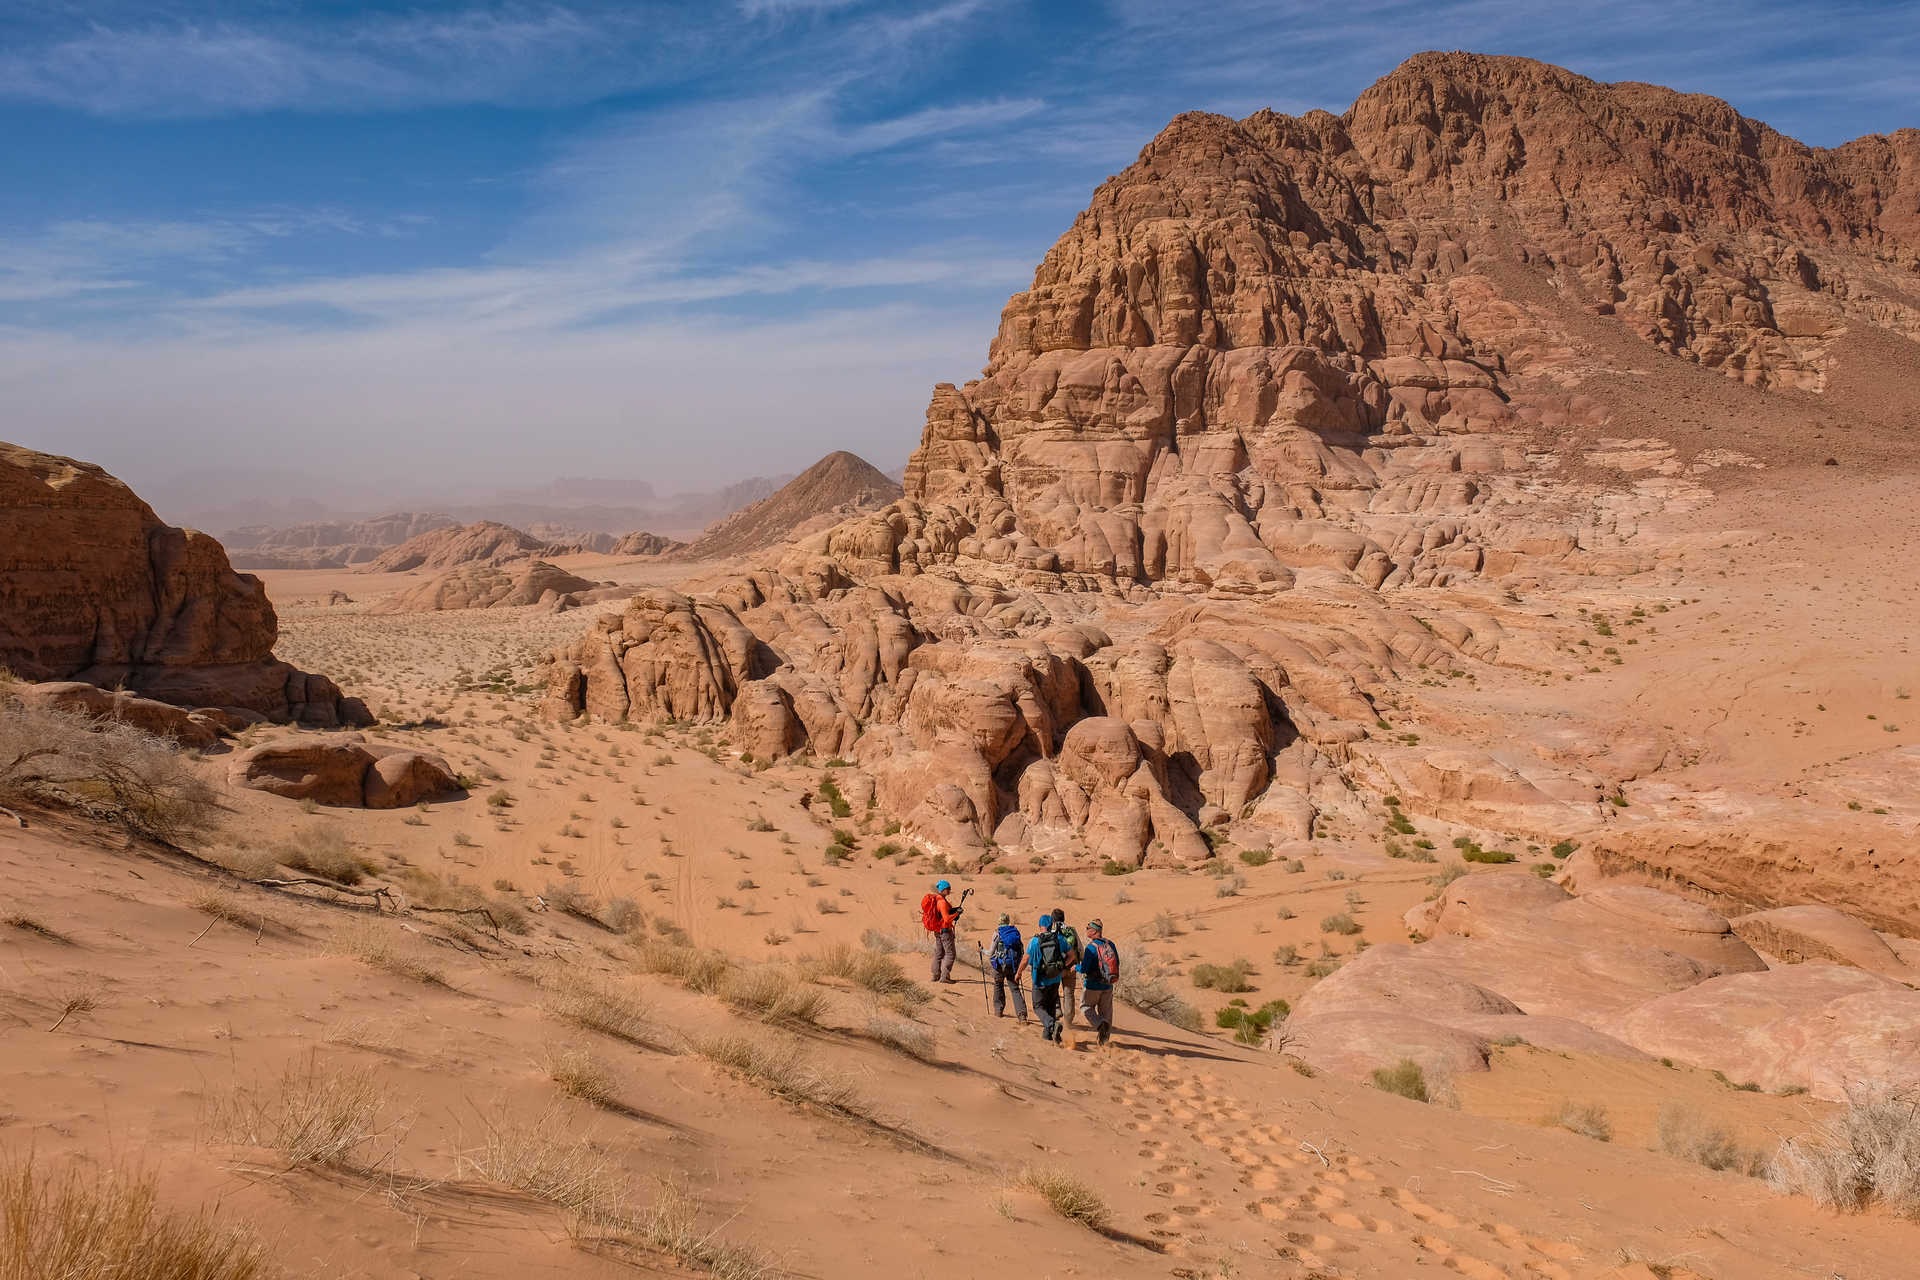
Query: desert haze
1434,585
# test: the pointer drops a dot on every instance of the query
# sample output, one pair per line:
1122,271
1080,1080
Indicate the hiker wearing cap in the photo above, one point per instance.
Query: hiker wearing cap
1008,960
1070,952
939,915
1100,969
1047,964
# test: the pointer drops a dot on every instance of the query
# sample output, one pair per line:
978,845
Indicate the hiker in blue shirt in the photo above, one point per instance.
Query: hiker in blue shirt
1099,970
1007,962
1048,963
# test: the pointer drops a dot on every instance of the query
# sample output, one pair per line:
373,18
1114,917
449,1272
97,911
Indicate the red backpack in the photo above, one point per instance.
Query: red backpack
930,912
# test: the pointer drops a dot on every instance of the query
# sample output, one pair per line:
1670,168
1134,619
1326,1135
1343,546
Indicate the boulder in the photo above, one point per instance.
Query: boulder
1796,935
342,770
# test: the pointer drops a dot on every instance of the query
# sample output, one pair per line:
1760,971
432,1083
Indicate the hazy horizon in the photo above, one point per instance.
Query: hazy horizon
350,257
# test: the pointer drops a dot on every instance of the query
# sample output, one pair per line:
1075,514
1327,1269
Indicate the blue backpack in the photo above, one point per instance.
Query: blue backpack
1006,948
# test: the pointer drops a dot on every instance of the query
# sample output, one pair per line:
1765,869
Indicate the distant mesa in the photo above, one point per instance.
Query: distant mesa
838,486
95,588
455,545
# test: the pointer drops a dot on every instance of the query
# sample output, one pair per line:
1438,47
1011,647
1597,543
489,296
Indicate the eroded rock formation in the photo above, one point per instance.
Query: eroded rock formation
1285,420
489,584
839,485
95,588
454,545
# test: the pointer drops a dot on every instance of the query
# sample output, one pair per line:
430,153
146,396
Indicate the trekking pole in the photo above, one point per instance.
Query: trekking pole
981,948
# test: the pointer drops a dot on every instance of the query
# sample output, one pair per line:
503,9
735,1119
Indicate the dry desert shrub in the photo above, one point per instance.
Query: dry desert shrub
773,995
1067,1196
603,1007
782,1070
28,924
704,971
373,946
902,1036
94,1225
1589,1120
109,770
1868,1154
1147,985
1682,1134
886,942
313,1116
1229,978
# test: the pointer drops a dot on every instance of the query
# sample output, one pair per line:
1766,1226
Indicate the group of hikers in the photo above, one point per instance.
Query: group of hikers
1056,959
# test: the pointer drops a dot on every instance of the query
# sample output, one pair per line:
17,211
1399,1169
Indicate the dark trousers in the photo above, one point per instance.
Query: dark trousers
1004,982
1047,1000
943,956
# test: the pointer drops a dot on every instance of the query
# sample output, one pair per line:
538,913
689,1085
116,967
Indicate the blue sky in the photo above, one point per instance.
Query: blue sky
370,253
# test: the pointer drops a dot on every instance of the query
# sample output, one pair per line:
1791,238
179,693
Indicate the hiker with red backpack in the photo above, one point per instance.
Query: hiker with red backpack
938,916
1044,957
1099,970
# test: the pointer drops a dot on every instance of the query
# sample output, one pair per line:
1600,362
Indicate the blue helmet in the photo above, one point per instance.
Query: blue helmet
1046,922
942,886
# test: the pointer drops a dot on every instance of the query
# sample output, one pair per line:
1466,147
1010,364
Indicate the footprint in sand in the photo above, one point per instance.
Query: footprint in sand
1476,1268
1409,1203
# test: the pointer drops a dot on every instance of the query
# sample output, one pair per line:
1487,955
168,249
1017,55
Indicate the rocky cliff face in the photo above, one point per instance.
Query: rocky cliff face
1286,418
94,587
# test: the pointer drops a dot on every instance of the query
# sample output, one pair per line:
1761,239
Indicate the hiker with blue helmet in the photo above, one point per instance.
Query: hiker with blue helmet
939,915
1044,957
1007,961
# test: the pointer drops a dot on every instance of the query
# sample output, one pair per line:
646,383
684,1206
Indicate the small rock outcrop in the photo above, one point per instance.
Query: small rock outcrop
489,584
342,770
96,588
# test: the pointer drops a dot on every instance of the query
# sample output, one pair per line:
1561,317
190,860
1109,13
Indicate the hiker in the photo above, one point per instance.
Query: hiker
1008,960
1069,952
1047,964
938,915
1100,966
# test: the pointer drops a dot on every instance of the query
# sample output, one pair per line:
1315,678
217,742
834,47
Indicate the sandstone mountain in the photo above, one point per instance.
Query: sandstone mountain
839,485
637,543
455,545
95,588
1289,425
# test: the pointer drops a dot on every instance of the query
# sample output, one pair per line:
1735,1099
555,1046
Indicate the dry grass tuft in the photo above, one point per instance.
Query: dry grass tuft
373,946
1589,1120
1405,1079
1868,1154
782,1070
603,1007
1067,1196
222,906
576,1073
902,1036
671,1225
769,993
543,1160
27,924
1682,1134
313,1116
91,1225
865,967
323,852
704,971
